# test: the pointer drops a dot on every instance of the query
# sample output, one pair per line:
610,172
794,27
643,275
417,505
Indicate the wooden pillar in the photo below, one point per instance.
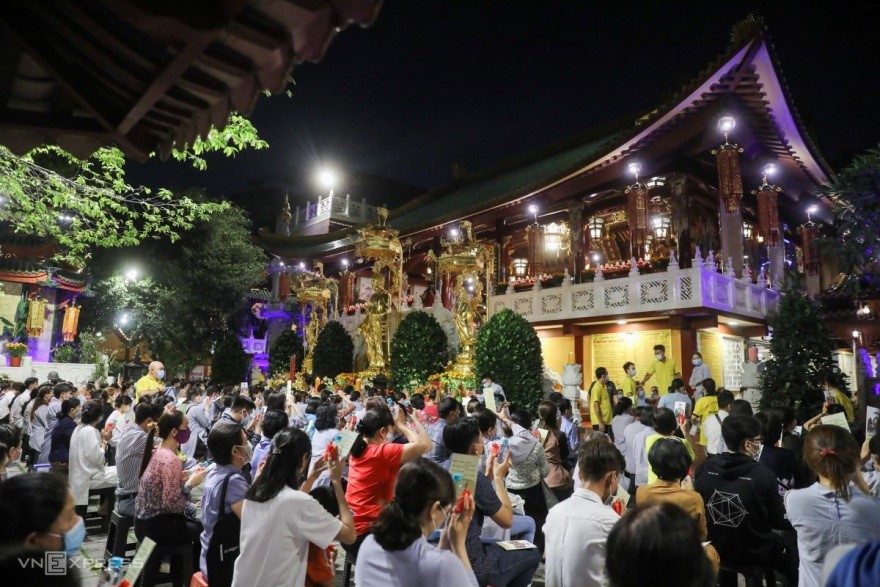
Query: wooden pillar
536,249
447,291
576,226
731,228
501,260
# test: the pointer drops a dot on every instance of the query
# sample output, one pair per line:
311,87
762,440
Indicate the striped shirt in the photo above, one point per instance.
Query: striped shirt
129,453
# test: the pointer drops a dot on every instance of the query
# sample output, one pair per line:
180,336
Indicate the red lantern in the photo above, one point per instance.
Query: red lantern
768,214
810,246
730,187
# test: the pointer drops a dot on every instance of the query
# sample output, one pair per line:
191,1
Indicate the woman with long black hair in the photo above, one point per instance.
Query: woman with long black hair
424,497
279,518
163,511
375,461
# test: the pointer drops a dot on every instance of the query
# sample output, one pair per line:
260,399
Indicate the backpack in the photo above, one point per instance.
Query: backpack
224,546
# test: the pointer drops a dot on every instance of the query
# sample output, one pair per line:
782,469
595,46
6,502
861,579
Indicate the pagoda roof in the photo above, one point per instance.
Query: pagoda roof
27,272
149,75
746,79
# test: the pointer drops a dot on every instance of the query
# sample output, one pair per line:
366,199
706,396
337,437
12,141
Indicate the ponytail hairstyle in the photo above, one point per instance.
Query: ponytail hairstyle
42,393
167,423
374,420
547,412
288,459
832,452
420,483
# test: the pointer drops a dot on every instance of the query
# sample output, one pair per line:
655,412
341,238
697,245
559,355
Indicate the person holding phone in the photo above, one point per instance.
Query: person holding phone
423,500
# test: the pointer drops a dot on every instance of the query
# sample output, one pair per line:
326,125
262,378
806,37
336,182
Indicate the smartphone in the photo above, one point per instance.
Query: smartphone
243,387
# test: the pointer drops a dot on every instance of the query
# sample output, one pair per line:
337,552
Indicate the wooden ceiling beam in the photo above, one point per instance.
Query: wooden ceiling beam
27,31
173,70
49,124
87,22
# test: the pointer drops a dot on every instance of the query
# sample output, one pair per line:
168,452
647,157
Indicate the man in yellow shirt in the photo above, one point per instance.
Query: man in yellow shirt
630,385
600,402
152,382
664,368
705,408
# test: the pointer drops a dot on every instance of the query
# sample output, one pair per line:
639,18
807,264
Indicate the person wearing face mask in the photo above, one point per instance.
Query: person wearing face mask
630,386
424,498
243,411
151,383
231,451
743,505
577,528
490,386
279,518
38,513
600,402
88,446
163,511
698,375
10,449
59,455
664,368
200,416
375,461
130,454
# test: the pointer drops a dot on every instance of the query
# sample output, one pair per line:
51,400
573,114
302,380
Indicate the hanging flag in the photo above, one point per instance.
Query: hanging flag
810,246
768,214
730,187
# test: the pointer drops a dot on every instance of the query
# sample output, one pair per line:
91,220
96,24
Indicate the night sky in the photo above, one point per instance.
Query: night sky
433,83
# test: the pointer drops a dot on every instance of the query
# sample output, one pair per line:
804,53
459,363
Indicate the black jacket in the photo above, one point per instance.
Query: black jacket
743,505
783,464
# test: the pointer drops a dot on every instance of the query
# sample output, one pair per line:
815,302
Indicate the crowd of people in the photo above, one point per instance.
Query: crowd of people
686,486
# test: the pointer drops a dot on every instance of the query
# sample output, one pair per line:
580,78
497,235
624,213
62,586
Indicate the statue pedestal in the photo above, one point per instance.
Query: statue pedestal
571,381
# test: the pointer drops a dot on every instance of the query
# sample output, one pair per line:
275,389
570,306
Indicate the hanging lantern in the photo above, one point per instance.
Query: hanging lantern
36,315
536,249
70,323
556,237
661,226
730,187
595,226
637,206
748,231
519,266
768,208
810,247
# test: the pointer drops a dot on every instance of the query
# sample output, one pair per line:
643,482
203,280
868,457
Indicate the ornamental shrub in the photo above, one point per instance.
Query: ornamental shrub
229,363
334,352
509,351
288,344
418,350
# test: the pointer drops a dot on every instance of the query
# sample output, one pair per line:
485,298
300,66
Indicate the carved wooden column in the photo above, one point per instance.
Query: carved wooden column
576,226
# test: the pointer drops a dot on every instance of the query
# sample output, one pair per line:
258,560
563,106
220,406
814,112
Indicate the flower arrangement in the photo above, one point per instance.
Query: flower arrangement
16,349
344,379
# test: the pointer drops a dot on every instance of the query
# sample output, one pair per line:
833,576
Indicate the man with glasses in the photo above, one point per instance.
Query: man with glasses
743,505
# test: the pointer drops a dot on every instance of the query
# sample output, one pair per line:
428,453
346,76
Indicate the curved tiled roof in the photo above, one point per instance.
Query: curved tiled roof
749,66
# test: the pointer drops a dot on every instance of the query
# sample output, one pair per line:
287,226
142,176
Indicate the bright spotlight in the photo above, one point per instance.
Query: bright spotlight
327,178
131,274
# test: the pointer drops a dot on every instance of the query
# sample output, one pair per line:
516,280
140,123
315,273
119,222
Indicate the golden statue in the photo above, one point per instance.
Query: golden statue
374,328
313,329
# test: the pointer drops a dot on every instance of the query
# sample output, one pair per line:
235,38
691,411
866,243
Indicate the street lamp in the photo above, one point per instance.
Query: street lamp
327,178
726,124
123,320
811,210
131,274
533,210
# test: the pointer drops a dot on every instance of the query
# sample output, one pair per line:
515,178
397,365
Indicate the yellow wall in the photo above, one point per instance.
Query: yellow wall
556,351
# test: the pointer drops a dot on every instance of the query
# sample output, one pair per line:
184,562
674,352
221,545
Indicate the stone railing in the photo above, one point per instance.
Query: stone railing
342,207
654,292
74,372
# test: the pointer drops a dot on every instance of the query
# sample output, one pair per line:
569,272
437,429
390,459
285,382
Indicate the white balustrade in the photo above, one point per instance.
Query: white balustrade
652,292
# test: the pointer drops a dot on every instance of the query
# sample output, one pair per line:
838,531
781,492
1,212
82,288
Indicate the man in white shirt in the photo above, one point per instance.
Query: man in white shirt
6,398
489,385
577,528
714,441
645,418
17,409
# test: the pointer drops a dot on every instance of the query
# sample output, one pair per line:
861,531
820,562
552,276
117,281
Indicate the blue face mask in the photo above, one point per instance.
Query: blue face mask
74,538
161,374
697,362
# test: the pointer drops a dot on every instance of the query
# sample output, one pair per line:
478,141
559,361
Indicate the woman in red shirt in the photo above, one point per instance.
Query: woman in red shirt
375,461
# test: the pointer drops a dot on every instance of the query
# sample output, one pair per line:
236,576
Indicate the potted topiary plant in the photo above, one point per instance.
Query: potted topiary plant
15,351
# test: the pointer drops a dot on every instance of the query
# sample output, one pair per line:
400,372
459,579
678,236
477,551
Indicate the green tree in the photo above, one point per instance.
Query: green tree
334,352
418,350
229,365
855,192
190,295
287,345
509,351
801,350
84,204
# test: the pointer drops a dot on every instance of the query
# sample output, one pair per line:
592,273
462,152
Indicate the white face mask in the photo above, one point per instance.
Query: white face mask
659,356
632,372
